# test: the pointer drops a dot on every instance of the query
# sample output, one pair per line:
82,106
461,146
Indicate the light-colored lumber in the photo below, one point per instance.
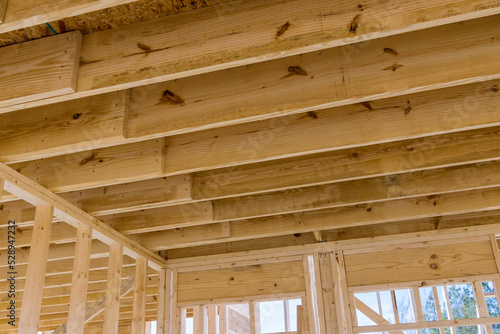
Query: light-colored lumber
32,298
50,65
24,14
327,286
311,297
112,297
211,319
163,316
374,316
449,311
177,316
35,194
79,282
431,263
240,283
97,307
339,271
482,308
427,324
71,126
3,9
417,305
87,169
139,310
254,312
199,320
431,182
223,319
437,303
109,66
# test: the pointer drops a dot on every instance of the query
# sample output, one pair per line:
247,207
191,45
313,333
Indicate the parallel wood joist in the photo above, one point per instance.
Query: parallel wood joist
35,194
267,149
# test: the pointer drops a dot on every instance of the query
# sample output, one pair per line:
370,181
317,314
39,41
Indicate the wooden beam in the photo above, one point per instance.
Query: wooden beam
35,194
112,298
254,312
20,63
432,262
374,316
139,311
78,301
427,324
240,283
116,164
3,9
71,126
107,67
32,298
24,14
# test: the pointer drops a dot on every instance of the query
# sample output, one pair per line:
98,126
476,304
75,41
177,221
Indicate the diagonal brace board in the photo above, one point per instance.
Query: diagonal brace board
30,191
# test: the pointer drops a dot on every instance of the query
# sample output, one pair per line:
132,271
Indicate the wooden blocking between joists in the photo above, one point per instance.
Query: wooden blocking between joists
50,65
274,280
420,264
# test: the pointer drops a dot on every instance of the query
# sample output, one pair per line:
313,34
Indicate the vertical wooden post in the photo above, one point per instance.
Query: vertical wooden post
3,10
161,313
164,302
223,319
318,294
341,293
254,312
482,308
449,312
139,306
35,273
310,297
327,292
300,319
79,282
212,319
199,320
112,298
438,308
176,311
1,187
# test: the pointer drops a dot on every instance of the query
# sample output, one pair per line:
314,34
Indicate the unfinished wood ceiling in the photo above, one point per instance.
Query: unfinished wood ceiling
212,127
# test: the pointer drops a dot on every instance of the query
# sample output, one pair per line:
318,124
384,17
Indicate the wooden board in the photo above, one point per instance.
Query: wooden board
50,66
313,81
105,166
420,264
210,286
3,9
72,126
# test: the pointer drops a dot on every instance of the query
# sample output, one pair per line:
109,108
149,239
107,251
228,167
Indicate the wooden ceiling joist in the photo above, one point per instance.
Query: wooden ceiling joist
23,14
325,129
228,42
35,194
